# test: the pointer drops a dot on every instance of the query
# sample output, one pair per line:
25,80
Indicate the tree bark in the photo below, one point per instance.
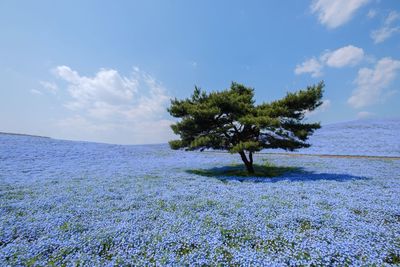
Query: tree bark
247,163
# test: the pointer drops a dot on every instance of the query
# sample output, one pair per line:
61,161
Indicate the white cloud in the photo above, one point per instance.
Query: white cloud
66,73
46,86
312,66
79,122
345,56
387,29
326,104
392,17
384,33
110,107
35,92
334,13
364,115
372,82
107,87
371,13
49,86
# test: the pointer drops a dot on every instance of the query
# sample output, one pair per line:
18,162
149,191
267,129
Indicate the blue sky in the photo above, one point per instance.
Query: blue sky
105,70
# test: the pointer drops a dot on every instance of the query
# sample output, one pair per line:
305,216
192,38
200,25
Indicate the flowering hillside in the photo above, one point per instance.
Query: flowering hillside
363,137
89,204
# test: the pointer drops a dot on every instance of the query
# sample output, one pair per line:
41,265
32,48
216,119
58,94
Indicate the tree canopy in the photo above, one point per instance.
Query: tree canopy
230,120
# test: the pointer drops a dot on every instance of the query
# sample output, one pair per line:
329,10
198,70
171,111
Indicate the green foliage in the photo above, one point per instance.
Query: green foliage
245,146
393,258
230,120
175,144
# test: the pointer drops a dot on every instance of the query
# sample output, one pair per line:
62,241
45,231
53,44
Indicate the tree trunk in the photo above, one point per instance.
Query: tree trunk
247,163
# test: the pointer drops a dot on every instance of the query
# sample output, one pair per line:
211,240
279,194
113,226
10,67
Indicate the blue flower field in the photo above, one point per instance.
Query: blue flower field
65,203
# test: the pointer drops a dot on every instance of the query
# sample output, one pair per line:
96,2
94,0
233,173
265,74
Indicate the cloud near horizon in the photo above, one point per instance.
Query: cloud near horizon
342,57
312,66
346,56
371,83
109,106
364,115
326,104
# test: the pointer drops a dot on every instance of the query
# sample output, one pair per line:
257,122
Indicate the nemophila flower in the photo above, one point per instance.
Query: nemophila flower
87,204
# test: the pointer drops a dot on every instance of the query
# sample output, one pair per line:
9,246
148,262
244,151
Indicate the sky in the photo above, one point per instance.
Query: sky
105,71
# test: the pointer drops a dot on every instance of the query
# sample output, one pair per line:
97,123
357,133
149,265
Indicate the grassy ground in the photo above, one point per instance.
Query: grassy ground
267,170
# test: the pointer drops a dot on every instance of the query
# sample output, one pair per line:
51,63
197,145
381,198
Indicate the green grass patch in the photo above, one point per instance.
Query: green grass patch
186,248
238,170
64,227
393,258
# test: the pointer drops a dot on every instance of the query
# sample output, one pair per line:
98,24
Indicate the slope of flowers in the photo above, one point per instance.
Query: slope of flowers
362,137
89,204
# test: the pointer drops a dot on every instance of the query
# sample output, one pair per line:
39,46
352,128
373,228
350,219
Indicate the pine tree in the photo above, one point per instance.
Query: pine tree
230,120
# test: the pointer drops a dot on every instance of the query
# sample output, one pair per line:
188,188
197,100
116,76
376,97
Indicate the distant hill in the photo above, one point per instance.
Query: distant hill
362,137
19,134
